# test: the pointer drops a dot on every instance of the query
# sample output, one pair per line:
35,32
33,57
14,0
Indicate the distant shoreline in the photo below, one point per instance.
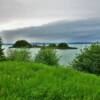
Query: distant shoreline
47,47
41,45
56,43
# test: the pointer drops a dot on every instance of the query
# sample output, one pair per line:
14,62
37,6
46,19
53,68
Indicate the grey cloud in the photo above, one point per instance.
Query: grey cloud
77,10
82,30
25,9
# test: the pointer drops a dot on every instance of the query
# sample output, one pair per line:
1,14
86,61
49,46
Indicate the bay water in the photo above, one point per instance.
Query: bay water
66,55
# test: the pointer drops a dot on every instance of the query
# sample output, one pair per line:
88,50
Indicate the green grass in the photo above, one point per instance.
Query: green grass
29,81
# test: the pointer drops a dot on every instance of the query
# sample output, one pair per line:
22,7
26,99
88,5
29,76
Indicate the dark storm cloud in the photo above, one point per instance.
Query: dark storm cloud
83,30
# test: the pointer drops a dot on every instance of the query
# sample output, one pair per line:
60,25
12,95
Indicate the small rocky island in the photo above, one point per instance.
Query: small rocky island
26,44
22,44
61,46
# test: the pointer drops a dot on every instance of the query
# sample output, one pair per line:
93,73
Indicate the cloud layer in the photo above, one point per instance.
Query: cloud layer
72,31
83,20
17,10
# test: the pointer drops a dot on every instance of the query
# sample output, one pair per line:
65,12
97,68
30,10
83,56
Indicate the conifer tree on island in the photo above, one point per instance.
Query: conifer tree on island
2,57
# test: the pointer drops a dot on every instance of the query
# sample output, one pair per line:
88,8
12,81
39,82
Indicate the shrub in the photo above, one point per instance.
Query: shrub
2,57
89,59
22,44
18,55
47,56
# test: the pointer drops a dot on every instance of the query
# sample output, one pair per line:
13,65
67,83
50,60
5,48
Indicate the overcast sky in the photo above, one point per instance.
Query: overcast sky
82,20
22,13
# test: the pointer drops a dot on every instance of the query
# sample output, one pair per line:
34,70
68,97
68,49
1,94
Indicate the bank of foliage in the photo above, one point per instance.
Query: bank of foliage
18,55
89,59
47,56
22,44
29,81
2,56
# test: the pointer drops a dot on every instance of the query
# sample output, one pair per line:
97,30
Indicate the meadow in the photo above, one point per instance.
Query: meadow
30,81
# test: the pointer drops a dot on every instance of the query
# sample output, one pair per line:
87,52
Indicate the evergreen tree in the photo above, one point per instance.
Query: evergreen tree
2,57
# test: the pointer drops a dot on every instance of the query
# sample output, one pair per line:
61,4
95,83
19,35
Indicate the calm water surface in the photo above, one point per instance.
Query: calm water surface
66,56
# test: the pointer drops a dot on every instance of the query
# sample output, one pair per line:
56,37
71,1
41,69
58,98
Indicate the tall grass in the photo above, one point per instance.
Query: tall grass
28,81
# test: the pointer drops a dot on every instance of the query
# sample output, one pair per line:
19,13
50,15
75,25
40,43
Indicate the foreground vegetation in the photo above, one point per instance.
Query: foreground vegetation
28,81
2,57
47,56
88,60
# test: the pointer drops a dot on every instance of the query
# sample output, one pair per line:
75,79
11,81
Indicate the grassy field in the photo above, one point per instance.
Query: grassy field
29,81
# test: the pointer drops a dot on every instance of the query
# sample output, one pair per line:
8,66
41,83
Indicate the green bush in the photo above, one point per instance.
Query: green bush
18,55
89,59
47,56
2,57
